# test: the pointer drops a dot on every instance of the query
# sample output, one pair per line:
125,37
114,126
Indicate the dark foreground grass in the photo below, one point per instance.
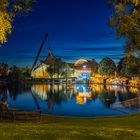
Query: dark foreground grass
69,128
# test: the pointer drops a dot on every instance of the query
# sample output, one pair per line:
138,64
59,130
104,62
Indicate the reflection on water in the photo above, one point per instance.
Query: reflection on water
74,100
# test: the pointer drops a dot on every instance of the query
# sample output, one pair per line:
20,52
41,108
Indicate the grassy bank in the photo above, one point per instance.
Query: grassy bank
61,128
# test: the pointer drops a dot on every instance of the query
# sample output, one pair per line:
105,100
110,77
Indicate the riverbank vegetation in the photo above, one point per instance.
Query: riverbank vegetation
125,127
13,73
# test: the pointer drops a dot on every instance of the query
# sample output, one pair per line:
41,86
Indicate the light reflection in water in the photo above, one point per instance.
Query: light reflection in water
75,100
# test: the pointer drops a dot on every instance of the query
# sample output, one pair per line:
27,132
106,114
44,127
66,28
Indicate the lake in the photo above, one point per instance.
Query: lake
74,100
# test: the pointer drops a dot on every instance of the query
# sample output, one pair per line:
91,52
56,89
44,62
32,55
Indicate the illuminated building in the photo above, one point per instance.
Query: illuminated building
83,68
41,70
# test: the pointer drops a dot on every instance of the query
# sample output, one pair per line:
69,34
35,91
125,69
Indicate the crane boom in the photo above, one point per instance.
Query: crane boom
38,54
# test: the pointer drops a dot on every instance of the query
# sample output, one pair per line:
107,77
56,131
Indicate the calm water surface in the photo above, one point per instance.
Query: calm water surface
75,100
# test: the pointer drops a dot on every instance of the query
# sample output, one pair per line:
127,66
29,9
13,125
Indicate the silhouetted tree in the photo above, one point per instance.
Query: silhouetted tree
15,74
128,66
3,69
107,66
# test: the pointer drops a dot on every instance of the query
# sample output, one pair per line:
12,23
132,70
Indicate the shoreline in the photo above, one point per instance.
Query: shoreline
60,83
44,116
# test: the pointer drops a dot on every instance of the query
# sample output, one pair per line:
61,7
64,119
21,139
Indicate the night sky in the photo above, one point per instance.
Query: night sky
76,28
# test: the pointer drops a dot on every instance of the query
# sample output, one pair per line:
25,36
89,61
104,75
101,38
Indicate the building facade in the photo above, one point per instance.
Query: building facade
82,68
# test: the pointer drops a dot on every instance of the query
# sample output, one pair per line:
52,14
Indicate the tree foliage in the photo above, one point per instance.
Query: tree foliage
9,9
94,66
107,66
55,68
15,74
126,22
59,68
67,70
3,69
128,66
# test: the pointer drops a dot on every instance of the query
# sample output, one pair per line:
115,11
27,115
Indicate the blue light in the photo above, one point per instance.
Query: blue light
81,88
84,76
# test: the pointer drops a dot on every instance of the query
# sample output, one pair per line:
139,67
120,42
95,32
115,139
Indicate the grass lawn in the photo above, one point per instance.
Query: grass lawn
61,128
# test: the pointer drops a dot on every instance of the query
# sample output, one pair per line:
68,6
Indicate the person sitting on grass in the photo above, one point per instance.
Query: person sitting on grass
4,105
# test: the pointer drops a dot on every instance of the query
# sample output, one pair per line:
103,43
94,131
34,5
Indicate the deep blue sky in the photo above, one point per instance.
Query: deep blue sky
77,29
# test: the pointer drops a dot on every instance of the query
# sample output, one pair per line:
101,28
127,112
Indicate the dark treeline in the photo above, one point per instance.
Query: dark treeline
128,67
13,73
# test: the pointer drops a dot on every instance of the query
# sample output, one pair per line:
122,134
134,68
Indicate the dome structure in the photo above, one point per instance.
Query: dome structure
80,62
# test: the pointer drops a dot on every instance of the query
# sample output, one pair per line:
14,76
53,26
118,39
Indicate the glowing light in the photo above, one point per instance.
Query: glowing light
84,67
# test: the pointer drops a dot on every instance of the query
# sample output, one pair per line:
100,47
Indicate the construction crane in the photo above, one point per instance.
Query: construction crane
38,54
34,64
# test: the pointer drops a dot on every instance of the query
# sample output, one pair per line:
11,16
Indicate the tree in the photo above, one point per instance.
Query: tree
128,66
3,69
15,74
67,71
55,68
59,68
9,9
107,66
94,66
26,72
121,67
126,22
